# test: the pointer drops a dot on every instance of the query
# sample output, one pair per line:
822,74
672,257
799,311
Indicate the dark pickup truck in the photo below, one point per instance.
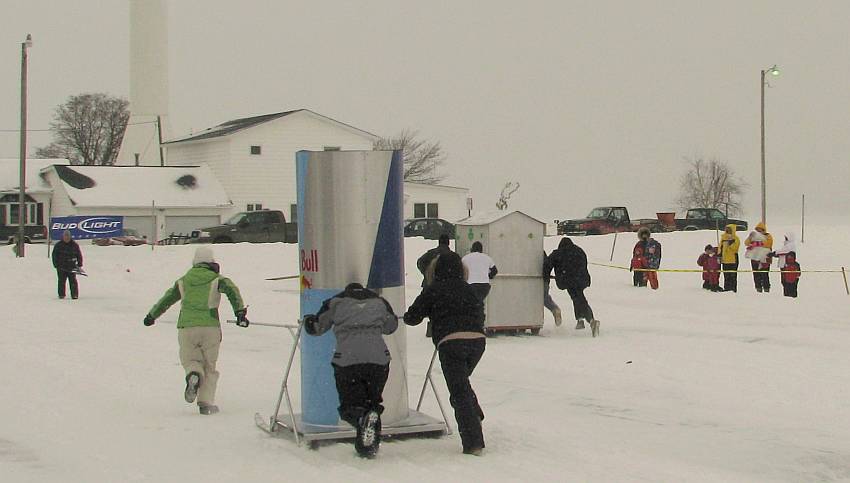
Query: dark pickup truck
250,226
707,219
32,233
604,220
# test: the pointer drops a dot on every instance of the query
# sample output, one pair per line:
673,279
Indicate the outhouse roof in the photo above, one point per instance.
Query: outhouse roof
486,218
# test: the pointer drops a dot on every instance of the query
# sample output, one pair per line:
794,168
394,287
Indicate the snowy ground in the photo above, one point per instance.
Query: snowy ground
683,385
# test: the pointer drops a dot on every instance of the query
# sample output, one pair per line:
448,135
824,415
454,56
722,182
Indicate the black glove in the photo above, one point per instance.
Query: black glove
310,322
772,254
149,321
241,317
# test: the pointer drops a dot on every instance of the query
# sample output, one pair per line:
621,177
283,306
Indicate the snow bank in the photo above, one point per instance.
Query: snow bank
683,385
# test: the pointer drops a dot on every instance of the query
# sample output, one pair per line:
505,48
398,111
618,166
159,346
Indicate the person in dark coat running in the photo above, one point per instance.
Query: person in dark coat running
67,260
425,263
570,265
361,362
457,319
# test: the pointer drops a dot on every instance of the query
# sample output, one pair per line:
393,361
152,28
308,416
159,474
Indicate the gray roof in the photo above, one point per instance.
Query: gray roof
236,125
231,127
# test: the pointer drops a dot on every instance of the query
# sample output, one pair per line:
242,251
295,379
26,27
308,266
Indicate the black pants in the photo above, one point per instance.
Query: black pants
761,279
580,305
71,277
639,279
480,290
360,387
458,359
789,289
730,279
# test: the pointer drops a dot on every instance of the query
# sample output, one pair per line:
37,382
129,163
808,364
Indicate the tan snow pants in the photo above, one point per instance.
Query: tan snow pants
199,353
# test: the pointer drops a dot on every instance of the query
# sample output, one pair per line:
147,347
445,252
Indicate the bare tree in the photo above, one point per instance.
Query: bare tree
88,129
711,184
421,158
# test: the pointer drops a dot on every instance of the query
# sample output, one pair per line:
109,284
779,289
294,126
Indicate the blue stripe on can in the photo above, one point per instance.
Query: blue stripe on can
387,269
319,397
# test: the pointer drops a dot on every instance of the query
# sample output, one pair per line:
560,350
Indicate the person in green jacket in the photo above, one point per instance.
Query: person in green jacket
198,328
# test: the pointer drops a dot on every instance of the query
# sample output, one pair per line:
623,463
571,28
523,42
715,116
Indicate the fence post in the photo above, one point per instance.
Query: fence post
844,274
612,247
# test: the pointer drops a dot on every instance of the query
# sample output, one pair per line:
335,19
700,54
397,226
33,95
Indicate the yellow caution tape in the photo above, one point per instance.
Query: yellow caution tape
699,270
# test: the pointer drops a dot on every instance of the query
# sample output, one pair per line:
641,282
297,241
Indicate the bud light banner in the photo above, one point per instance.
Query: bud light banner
86,227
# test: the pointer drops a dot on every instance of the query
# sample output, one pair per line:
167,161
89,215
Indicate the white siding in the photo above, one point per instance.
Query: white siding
451,201
269,178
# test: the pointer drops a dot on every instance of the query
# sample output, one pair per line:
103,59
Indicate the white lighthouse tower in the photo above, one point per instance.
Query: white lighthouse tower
148,84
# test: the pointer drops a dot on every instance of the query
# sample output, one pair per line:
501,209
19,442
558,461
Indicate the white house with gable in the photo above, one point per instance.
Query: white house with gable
254,157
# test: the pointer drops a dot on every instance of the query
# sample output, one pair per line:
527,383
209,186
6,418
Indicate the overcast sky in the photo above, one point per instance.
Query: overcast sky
583,103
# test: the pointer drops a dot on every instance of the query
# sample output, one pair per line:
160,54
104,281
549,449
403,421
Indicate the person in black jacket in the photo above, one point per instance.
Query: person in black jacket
457,320
425,263
67,259
361,361
570,264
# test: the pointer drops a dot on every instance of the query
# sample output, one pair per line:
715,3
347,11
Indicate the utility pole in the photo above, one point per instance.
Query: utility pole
22,191
774,71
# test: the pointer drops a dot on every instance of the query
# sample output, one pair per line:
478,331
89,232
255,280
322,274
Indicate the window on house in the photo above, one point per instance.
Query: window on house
433,212
419,210
293,213
331,148
13,214
257,150
2,214
255,206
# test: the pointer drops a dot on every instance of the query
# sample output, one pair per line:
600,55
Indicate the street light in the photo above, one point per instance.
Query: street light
774,71
22,212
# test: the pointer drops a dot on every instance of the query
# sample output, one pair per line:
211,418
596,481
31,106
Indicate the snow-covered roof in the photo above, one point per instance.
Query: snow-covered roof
236,125
10,174
138,186
488,217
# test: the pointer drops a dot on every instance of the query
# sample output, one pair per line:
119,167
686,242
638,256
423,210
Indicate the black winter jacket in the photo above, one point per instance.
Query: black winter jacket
449,302
425,260
67,256
570,265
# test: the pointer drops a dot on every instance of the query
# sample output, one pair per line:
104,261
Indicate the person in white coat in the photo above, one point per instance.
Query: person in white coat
789,246
478,270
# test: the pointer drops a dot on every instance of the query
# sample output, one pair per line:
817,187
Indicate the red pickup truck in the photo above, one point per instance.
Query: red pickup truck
604,220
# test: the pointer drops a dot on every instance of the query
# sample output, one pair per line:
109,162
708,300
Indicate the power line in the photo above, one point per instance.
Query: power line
58,130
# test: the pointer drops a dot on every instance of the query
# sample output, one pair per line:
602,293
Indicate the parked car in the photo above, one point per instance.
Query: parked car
430,228
129,238
32,233
707,219
250,226
604,220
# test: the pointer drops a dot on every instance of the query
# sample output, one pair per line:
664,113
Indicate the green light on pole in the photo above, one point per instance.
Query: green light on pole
774,71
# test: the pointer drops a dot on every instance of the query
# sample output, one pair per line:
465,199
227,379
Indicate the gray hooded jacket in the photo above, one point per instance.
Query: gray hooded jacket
359,318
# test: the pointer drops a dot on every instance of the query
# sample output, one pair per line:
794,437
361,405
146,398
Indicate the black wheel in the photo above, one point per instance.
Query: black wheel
535,331
313,445
690,228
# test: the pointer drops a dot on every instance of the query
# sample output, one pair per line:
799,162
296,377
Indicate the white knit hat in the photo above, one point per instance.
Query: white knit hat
203,254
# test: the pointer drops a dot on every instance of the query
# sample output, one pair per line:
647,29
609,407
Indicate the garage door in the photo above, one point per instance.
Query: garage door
142,224
184,225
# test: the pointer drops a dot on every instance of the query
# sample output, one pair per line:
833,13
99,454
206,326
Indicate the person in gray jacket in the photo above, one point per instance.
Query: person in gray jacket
359,317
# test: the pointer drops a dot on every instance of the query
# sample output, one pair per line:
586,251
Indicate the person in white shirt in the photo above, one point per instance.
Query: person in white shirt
478,270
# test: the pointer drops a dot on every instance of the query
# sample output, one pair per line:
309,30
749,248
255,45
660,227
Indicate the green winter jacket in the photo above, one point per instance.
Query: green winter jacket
200,293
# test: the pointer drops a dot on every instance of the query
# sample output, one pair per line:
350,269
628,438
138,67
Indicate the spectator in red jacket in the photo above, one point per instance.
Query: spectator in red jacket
710,269
790,275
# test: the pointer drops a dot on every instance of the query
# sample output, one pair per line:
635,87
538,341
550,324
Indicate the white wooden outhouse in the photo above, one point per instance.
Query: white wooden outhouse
515,242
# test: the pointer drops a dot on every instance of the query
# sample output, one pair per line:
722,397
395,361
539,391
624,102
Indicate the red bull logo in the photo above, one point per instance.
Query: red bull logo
309,261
